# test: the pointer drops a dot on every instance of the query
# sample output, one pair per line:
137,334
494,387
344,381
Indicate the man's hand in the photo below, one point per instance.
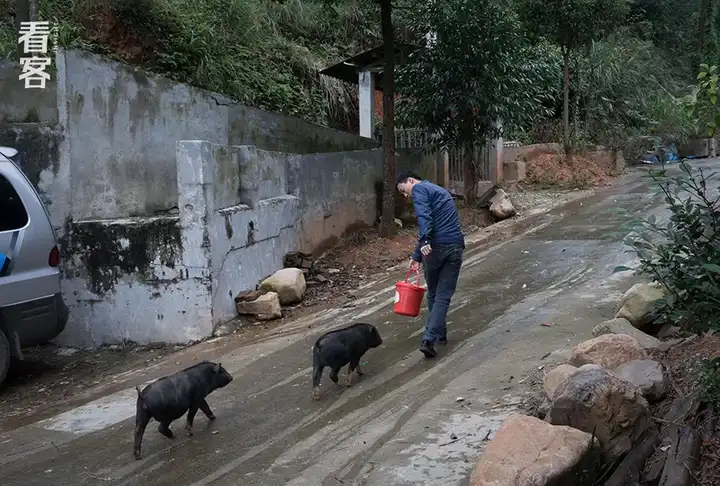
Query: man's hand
425,250
414,266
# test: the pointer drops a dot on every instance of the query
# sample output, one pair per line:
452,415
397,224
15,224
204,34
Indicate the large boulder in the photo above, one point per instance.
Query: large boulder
623,326
266,307
645,374
638,303
500,205
608,350
528,451
596,401
557,376
288,283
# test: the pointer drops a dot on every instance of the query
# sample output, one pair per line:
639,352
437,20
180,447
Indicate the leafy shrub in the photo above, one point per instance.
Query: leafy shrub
683,254
709,380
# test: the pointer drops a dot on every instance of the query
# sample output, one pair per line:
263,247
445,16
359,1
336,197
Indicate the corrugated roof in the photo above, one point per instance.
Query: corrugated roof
348,69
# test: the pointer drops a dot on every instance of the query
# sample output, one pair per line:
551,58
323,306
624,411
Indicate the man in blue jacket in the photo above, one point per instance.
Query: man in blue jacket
440,248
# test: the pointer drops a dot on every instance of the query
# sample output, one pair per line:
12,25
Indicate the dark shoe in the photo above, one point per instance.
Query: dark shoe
428,349
442,340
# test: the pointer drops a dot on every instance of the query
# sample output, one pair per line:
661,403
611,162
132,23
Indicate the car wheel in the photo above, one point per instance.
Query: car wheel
4,356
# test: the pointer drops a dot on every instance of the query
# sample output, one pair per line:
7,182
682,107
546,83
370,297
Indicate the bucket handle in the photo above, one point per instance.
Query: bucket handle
417,274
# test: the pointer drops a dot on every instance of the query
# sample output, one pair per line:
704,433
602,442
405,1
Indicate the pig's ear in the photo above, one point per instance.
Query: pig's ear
218,367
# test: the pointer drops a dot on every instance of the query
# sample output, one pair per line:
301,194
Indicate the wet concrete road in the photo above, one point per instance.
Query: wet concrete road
403,423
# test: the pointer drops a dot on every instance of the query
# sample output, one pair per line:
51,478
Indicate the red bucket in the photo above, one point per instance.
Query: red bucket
408,296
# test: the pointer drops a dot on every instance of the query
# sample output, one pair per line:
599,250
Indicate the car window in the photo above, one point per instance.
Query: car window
13,215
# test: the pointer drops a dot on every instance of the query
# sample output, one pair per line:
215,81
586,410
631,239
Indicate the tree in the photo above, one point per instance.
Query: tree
572,24
387,226
476,71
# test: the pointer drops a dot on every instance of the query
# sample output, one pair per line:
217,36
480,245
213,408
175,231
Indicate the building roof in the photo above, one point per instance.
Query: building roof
347,70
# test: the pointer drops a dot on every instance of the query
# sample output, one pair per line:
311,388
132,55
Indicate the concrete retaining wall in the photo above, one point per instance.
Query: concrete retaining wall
169,200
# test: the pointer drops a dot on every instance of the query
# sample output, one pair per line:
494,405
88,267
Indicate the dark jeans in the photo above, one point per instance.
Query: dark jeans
442,268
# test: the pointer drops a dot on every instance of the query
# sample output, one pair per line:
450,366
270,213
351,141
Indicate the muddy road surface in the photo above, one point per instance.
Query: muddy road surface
532,287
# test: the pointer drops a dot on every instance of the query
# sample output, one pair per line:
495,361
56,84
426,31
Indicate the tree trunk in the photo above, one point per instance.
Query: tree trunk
387,226
566,99
469,174
22,14
703,27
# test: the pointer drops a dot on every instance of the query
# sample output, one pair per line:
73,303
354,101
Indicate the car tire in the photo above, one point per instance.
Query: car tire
5,356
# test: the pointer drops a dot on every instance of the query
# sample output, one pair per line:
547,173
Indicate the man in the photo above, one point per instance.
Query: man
440,249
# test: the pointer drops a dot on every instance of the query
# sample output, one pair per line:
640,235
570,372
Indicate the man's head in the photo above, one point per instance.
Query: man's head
405,182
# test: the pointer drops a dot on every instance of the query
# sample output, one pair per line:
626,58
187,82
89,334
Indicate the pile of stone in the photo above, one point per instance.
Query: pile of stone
597,409
282,288
303,261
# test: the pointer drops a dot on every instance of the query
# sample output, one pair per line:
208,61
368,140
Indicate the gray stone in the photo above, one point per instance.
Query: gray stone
288,283
596,401
266,307
528,451
607,350
645,374
638,302
623,326
500,205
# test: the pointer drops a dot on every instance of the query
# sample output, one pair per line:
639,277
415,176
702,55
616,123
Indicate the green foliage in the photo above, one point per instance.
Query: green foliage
479,69
702,103
263,53
623,92
683,254
572,24
708,380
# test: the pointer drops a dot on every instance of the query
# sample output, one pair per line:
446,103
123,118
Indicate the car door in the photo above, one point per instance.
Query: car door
27,244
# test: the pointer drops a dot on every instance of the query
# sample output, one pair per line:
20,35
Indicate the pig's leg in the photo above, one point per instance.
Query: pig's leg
317,374
353,366
206,410
164,429
190,417
334,374
142,418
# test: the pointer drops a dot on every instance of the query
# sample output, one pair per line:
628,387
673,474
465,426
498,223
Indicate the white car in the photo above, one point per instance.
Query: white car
32,309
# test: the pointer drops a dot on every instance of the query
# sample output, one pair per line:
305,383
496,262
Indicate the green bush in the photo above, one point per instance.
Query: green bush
683,254
263,53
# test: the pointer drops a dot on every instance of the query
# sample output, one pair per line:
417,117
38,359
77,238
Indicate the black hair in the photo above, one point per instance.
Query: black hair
405,175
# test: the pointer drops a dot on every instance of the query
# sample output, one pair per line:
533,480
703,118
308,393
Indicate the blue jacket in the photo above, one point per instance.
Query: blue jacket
437,216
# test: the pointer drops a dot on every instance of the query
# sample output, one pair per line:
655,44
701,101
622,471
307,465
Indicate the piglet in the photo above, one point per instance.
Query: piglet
337,348
170,397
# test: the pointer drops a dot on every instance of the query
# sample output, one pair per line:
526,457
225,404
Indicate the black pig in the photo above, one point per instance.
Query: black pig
337,348
170,397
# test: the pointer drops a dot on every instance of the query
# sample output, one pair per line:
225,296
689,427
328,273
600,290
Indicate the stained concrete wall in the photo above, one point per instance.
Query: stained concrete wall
21,105
157,241
279,133
337,193
234,203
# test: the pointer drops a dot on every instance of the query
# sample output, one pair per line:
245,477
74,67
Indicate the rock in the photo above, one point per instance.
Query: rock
248,296
608,350
266,307
596,401
288,283
500,205
556,377
528,451
638,303
645,374
623,326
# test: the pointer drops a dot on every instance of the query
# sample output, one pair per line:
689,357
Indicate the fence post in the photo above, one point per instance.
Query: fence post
496,158
442,168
